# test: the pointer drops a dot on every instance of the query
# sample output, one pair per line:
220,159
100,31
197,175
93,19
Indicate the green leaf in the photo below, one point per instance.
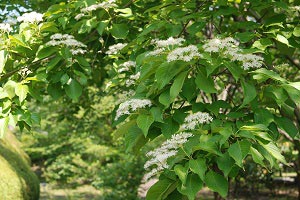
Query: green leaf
217,183
255,127
165,98
181,172
256,156
192,186
225,163
239,150
3,126
205,83
157,114
274,151
282,39
166,72
134,139
64,79
249,93
21,91
119,31
177,85
189,89
263,116
263,74
3,58
9,88
144,122
287,125
262,43
209,143
55,90
160,189
125,12
44,52
245,36
296,31
169,127
199,167
234,69
53,63
73,89
101,26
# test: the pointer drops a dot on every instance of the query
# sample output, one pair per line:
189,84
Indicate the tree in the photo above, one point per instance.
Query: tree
210,76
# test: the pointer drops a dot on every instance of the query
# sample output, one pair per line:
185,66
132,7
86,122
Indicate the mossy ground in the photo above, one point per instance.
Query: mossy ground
17,181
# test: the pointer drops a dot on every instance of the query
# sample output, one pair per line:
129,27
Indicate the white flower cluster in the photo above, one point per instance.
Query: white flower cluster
25,72
216,45
131,105
5,27
192,120
229,47
183,53
59,39
168,42
32,17
114,49
179,53
105,5
126,66
158,157
162,45
132,79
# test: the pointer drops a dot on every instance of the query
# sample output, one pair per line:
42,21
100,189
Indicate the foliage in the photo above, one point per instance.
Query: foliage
78,148
218,58
18,182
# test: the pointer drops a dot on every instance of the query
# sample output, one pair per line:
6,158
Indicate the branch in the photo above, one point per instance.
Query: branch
293,61
11,73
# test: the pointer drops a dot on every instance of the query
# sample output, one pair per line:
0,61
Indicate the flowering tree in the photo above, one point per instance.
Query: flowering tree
217,79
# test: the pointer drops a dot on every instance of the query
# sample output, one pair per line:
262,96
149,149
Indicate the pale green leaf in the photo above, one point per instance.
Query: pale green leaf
21,91
3,58
3,126
181,172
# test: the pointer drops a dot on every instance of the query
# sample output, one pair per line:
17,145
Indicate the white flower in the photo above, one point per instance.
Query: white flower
168,42
79,16
5,27
114,49
25,72
192,120
229,48
132,79
159,156
131,105
183,53
215,45
32,17
105,5
77,51
155,52
59,39
10,20
126,66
